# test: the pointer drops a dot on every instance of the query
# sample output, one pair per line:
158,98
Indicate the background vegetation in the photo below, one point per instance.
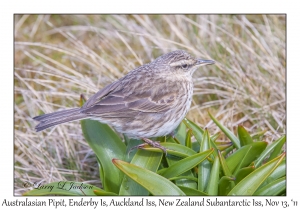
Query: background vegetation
59,57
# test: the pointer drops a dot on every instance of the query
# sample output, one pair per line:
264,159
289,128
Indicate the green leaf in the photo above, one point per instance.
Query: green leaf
258,135
185,164
243,161
63,188
196,146
251,182
82,100
190,183
170,139
188,139
224,165
228,150
244,136
243,172
256,148
154,183
225,184
191,192
227,132
215,136
184,177
277,149
173,158
197,131
205,144
107,145
213,145
205,166
272,189
212,186
180,133
144,159
279,172
222,145
267,151
173,149
104,193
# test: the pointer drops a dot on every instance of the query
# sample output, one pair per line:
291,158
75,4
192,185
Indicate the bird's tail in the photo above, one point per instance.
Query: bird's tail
55,118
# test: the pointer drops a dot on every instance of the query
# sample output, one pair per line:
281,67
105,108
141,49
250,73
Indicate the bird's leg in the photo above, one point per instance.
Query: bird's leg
140,146
149,142
155,144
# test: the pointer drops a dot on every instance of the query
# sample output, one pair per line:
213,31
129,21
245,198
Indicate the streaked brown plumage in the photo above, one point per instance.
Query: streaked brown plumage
149,101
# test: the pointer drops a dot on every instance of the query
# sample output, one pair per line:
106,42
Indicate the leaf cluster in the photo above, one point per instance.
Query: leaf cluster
241,166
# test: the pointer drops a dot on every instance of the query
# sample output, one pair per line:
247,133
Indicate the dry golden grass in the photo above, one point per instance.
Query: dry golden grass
59,57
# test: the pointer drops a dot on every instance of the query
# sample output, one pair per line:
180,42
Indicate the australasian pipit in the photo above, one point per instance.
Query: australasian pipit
149,101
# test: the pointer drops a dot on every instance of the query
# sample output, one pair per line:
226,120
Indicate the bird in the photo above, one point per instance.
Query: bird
150,101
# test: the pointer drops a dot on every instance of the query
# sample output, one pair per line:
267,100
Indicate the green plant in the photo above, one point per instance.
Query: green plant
204,167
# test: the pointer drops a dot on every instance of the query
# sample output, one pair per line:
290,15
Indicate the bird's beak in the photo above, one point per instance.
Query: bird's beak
201,62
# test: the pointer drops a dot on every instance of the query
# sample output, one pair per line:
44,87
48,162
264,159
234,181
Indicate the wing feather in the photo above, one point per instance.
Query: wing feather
131,97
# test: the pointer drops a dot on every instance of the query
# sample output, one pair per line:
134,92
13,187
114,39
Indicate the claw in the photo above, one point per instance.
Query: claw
140,146
155,144
149,142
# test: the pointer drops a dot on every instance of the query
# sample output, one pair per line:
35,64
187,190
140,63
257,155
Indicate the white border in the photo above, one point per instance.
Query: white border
153,6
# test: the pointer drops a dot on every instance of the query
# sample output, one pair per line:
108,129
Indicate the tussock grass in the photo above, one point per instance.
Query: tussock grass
59,57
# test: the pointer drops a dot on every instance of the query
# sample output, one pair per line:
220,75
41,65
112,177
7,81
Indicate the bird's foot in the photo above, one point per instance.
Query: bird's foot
155,144
140,146
149,142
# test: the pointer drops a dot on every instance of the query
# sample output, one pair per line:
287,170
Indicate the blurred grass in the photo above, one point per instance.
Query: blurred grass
59,57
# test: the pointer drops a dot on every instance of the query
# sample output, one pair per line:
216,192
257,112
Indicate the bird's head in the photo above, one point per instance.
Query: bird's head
178,62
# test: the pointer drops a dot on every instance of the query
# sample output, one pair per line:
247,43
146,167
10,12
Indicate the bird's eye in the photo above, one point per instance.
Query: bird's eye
184,66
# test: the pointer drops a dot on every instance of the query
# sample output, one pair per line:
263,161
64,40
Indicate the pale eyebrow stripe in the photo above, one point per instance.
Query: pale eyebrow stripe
179,63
